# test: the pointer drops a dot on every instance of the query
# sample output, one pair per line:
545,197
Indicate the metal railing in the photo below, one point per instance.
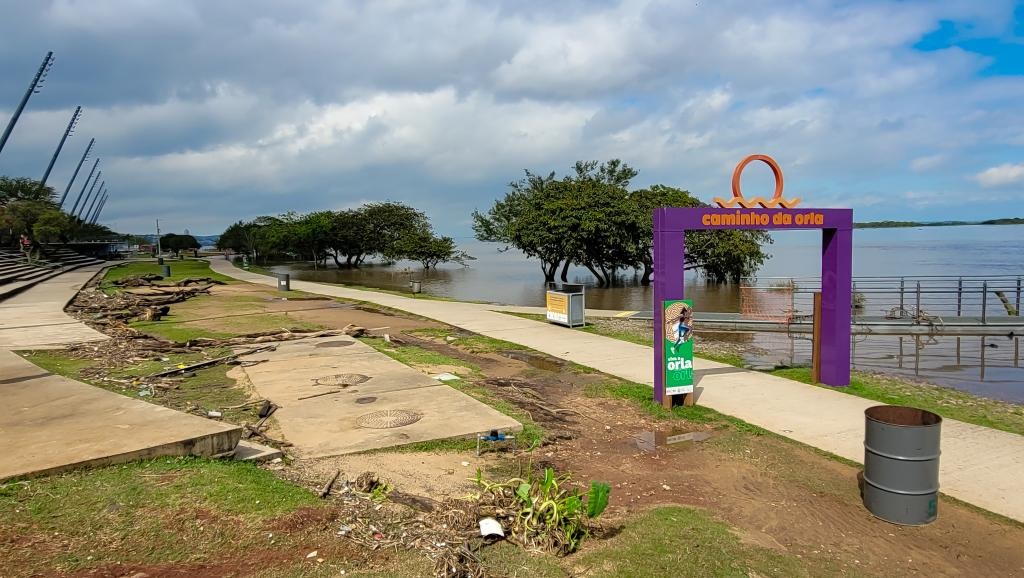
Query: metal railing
985,299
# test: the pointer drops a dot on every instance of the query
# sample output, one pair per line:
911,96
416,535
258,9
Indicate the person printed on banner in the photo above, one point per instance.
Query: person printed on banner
681,327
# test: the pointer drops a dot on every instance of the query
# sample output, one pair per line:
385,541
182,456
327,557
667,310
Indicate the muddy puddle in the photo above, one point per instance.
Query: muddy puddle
534,360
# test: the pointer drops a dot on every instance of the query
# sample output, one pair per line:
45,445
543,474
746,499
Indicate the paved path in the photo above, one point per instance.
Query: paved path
35,318
981,466
329,425
51,423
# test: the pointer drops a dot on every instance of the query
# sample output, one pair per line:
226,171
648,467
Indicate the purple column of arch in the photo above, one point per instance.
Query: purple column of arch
670,226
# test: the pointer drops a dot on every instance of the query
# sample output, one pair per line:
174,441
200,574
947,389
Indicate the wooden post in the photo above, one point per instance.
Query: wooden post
816,340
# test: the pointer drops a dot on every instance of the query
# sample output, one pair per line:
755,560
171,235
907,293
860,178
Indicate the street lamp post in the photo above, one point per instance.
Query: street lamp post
33,88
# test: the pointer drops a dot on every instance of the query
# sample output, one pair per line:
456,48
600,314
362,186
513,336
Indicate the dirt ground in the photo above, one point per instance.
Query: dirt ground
775,493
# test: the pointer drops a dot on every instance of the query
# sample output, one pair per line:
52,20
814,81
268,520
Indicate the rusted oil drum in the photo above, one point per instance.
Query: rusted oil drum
901,464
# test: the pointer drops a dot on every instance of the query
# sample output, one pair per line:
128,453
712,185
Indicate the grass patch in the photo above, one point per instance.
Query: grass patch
944,401
675,541
641,335
470,342
892,390
643,396
412,355
179,270
210,389
157,511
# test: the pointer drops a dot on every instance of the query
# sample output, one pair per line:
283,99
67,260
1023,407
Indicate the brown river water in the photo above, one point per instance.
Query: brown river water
981,252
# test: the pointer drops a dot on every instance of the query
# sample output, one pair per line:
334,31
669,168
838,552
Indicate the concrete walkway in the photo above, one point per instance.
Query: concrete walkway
373,394
51,423
35,319
979,465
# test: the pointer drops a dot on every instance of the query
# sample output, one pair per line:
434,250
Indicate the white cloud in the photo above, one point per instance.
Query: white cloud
1002,175
927,163
248,108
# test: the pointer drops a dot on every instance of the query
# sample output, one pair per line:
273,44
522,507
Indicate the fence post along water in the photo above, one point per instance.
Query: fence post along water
901,464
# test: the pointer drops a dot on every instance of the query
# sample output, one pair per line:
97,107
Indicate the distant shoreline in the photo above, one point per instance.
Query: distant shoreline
906,224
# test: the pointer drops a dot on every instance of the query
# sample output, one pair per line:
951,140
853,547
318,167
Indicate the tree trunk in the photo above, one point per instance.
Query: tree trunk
549,270
565,271
337,262
600,279
648,269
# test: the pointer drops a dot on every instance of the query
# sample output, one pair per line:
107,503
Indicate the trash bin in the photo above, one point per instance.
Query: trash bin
565,304
283,281
159,260
901,464
165,270
415,286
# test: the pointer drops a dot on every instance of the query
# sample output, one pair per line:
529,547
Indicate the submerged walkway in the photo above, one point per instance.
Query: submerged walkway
979,465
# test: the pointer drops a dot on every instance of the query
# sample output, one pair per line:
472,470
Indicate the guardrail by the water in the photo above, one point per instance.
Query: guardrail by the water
984,298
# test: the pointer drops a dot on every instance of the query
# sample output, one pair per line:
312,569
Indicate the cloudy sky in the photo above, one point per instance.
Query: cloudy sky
208,111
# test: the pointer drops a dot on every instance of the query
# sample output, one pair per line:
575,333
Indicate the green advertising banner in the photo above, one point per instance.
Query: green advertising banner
678,354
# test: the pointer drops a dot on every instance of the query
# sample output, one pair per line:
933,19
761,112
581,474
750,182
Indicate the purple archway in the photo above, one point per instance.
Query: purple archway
671,224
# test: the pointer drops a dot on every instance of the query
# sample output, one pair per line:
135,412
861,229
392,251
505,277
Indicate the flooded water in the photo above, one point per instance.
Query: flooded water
498,276
991,369
988,366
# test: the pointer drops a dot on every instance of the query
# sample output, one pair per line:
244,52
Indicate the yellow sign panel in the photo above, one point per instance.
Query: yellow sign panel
557,307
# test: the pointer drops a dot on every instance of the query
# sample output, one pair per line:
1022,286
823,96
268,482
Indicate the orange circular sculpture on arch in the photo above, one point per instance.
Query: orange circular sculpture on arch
737,194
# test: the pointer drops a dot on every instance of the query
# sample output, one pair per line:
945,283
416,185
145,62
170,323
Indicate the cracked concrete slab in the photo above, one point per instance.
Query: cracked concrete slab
367,415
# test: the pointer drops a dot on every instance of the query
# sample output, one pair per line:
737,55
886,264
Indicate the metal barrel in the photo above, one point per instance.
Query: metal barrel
284,282
165,270
415,286
901,464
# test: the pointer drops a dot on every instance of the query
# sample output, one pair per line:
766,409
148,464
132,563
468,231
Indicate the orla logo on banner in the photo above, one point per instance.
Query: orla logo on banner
678,354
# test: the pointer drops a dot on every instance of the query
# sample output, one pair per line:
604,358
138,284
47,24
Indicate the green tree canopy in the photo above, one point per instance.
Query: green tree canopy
590,218
178,243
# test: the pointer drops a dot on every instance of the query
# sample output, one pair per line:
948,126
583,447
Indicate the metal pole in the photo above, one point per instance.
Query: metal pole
1018,296
85,155
84,185
902,281
88,212
984,302
918,306
40,76
1016,351
99,196
982,359
60,145
900,364
100,209
959,296
89,194
159,251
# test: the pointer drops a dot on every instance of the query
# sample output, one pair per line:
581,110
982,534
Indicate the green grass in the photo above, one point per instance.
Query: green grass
210,389
675,541
172,331
641,336
179,270
944,401
470,342
142,512
413,355
643,397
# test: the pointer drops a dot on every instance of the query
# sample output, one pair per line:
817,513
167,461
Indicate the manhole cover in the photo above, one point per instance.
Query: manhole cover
388,418
367,399
342,379
333,344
